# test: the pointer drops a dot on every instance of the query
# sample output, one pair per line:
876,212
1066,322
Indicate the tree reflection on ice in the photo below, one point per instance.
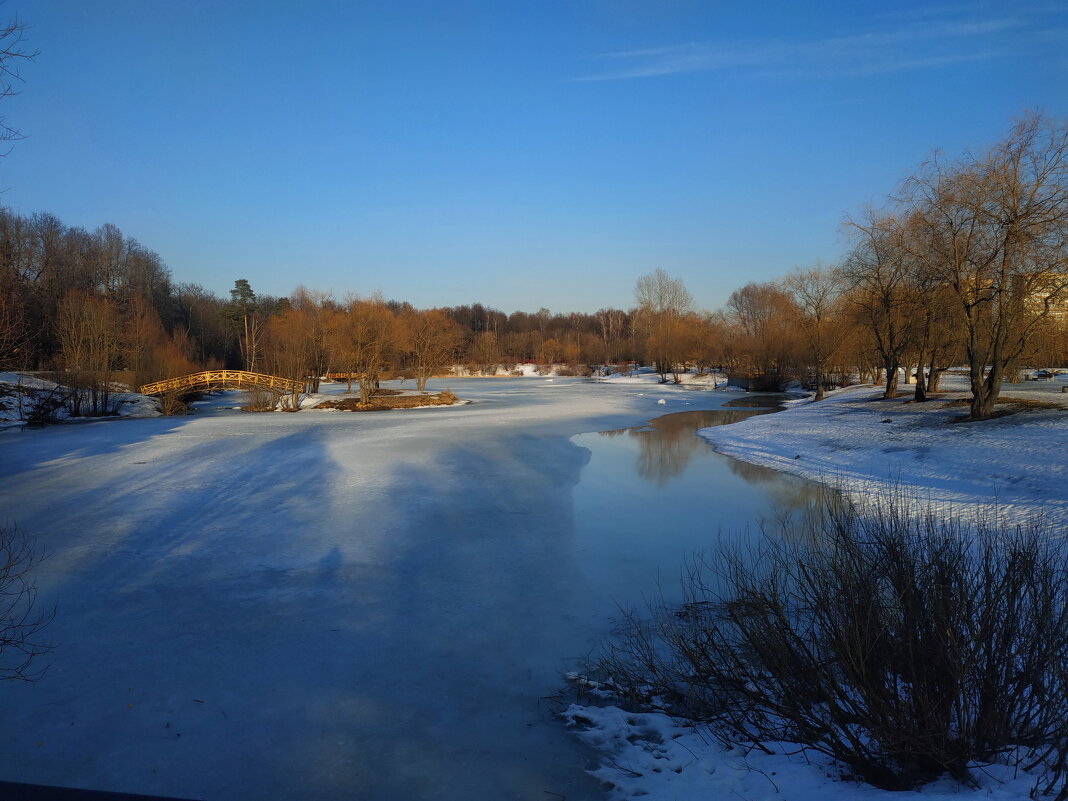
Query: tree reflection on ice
668,444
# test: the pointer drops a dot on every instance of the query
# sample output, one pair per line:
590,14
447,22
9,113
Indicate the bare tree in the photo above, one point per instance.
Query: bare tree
484,351
14,333
611,328
365,338
13,53
764,337
815,294
89,330
995,229
877,271
142,333
315,306
431,339
663,301
289,349
936,323
710,338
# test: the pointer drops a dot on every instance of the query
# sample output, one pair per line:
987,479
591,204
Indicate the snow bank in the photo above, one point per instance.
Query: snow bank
21,394
648,756
856,440
690,380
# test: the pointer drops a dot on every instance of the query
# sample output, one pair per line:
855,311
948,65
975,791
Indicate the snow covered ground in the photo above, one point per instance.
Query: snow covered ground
19,394
855,440
648,756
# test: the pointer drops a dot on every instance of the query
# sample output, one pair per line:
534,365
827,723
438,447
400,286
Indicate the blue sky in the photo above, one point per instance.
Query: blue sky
519,154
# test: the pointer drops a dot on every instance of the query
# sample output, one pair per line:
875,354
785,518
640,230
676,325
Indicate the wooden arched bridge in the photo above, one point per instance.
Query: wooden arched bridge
225,379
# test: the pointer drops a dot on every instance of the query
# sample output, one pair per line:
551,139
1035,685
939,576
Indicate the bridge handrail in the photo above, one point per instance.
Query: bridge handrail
210,379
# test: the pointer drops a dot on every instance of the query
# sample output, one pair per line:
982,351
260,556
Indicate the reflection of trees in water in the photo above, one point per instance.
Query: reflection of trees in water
791,497
668,444
753,473
757,402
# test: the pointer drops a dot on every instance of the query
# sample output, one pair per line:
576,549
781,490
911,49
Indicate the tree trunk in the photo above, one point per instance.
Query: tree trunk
892,370
662,370
985,391
920,395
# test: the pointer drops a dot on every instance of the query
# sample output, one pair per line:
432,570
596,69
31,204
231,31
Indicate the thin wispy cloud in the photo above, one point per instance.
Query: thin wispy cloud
911,47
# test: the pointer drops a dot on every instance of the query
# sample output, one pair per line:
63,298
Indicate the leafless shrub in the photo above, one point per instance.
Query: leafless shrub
173,403
904,647
91,395
20,623
290,402
41,406
260,400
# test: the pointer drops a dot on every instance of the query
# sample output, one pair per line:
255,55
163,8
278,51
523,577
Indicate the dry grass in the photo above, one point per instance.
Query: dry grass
1026,403
1012,404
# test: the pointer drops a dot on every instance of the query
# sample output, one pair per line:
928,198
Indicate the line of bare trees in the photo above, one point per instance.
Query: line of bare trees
968,264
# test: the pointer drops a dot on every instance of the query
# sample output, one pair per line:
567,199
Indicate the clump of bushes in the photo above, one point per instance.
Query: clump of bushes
41,405
260,400
903,646
174,403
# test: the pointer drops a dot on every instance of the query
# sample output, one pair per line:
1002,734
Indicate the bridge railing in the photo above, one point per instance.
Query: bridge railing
224,379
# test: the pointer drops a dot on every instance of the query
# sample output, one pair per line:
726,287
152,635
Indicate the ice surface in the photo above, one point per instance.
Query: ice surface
331,605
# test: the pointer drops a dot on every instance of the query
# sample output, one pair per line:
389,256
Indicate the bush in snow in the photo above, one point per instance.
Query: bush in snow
20,622
905,647
41,405
260,400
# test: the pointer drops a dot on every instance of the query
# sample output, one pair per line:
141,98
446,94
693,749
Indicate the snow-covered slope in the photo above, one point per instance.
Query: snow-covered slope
864,444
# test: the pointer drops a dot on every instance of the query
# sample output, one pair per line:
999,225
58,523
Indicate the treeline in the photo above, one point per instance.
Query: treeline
966,265
99,302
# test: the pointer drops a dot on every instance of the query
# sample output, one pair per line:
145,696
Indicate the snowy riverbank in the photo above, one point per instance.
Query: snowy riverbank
20,396
857,441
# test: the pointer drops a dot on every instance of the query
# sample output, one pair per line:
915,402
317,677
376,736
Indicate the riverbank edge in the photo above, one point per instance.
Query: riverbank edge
861,443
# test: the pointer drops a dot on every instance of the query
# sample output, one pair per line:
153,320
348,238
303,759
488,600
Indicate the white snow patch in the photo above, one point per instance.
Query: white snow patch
651,757
21,394
863,444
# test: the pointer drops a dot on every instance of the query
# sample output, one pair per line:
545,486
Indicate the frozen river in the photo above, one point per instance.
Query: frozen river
330,605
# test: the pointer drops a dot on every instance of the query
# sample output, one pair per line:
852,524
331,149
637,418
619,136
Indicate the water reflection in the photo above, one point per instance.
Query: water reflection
757,402
652,495
668,444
